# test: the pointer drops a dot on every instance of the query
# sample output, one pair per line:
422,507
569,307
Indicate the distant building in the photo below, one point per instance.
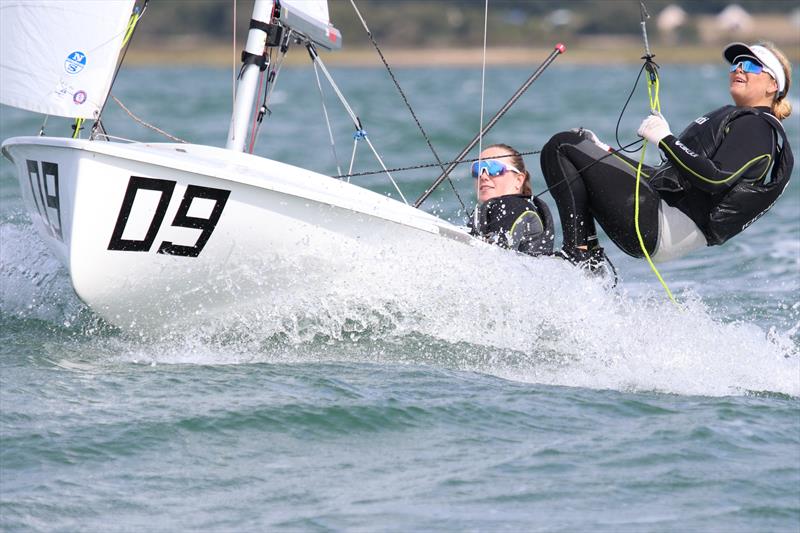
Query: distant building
670,19
560,18
734,19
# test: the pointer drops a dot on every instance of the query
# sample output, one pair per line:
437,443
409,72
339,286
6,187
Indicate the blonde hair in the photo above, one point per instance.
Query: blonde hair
517,161
781,107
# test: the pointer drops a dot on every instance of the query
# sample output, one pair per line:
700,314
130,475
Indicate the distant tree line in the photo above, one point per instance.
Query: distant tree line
411,23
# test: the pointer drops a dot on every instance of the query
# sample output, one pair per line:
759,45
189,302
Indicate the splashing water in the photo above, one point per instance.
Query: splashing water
486,310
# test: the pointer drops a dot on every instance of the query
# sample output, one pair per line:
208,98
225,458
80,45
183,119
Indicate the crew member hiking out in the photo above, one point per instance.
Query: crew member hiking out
724,171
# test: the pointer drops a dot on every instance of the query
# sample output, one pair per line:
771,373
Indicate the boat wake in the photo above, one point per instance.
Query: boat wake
486,311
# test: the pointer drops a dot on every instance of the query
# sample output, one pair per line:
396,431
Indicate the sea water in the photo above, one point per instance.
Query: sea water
503,394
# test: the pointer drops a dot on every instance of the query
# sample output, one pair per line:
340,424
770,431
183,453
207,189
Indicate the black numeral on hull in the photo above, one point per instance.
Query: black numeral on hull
165,188
43,179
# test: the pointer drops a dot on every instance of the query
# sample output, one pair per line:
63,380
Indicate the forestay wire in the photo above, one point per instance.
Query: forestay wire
133,20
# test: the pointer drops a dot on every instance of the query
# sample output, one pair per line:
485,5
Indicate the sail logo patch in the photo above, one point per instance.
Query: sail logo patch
75,62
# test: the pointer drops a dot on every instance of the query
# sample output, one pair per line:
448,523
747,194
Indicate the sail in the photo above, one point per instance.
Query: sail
310,17
58,57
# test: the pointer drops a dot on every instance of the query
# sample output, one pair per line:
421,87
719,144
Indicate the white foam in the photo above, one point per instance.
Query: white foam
33,283
523,319
488,311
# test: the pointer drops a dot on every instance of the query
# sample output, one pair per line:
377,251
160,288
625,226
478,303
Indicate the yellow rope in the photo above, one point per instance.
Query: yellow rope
655,105
131,25
78,126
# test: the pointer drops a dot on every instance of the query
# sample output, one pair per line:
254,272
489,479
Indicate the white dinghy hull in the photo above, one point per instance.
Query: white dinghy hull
159,234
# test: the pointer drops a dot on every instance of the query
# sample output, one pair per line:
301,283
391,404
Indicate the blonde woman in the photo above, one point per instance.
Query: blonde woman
724,171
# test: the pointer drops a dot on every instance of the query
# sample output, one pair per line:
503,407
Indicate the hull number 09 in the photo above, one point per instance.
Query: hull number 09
165,188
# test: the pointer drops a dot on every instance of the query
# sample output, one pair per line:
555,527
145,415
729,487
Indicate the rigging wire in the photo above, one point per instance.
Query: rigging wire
422,165
408,104
624,107
557,50
44,123
269,86
133,21
353,160
255,115
97,128
145,124
316,59
356,121
277,71
483,75
264,78
328,121
233,69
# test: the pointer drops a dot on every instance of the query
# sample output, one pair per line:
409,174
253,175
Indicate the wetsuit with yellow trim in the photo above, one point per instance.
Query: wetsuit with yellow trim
718,169
714,177
516,222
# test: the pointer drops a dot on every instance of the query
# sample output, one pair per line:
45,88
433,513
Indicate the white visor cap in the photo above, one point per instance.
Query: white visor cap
764,55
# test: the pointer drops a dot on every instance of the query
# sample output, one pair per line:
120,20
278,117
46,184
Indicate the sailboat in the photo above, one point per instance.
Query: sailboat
152,233
157,234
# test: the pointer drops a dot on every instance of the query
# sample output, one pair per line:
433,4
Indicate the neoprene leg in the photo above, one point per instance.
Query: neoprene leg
603,190
568,190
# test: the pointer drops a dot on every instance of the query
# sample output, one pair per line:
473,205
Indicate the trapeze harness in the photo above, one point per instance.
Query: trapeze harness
516,222
690,201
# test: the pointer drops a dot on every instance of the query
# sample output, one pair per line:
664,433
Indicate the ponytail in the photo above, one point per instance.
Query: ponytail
526,185
781,107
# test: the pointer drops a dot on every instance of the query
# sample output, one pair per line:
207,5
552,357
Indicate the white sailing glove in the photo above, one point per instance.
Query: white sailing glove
590,135
654,128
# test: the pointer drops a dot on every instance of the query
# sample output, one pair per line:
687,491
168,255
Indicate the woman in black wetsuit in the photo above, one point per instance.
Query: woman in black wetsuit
506,214
715,181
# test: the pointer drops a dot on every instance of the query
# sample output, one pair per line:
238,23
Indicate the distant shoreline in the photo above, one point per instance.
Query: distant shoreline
616,51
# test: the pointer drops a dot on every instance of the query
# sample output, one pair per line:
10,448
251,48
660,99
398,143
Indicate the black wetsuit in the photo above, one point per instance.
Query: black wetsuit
715,173
516,222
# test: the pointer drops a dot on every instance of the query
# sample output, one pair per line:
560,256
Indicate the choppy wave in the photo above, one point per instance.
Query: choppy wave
486,393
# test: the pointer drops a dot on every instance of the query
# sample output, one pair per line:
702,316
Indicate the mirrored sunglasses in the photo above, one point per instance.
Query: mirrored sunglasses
492,167
747,66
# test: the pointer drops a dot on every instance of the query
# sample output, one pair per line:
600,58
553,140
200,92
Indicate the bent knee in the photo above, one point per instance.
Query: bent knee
563,137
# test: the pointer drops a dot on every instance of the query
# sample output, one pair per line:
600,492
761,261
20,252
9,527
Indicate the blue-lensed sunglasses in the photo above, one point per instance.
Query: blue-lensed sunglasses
493,167
747,66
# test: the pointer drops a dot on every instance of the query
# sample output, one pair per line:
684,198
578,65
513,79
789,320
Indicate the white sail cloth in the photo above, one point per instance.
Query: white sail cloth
311,18
58,57
315,9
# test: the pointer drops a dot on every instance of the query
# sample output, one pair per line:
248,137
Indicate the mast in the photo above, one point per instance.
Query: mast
248,81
